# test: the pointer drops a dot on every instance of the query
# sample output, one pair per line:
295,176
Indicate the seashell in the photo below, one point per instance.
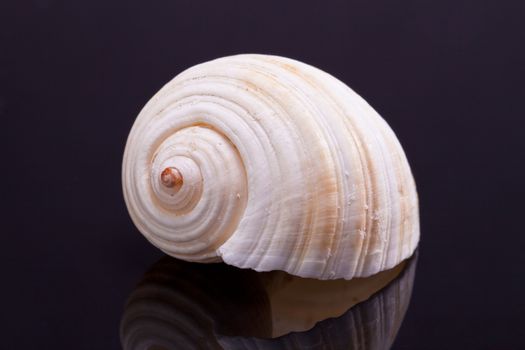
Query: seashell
177,306
267,163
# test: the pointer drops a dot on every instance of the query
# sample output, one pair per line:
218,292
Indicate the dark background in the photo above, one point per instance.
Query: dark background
448,76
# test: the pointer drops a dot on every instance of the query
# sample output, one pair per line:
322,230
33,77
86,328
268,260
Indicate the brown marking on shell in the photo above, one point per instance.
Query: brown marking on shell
172,178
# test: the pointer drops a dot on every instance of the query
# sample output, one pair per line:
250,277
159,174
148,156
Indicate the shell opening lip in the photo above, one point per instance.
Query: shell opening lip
171,178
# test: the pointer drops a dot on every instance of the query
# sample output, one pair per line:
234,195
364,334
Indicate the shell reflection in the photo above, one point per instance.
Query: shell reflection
181,305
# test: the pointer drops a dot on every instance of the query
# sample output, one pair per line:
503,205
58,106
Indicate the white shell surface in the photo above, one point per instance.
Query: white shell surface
284,167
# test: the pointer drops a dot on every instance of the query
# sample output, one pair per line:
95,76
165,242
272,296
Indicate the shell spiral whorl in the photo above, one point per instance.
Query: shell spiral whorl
268,163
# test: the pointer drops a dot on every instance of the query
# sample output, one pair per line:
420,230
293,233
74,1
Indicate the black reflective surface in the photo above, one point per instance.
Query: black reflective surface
446,75
184,305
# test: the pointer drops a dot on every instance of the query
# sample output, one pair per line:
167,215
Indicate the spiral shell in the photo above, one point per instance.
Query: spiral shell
268,163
